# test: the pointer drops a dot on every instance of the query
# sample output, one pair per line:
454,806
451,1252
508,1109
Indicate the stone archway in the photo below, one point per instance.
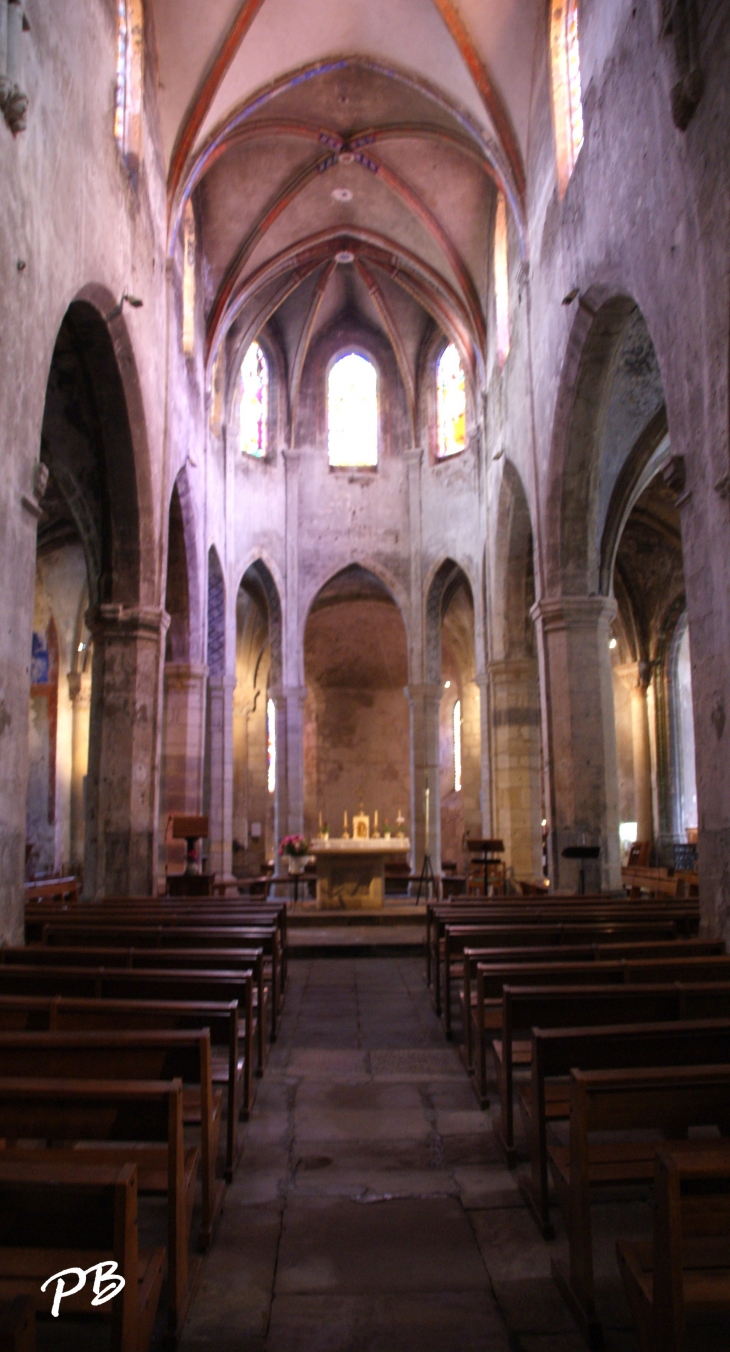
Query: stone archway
95,455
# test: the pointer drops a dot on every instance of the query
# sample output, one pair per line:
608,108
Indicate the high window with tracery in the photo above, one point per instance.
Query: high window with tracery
270,745
566,87
352,413
129,81
451,404
457,746
188,282
501,280
254,406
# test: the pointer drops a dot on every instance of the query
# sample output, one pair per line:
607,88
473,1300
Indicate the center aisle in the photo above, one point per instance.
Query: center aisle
371,1212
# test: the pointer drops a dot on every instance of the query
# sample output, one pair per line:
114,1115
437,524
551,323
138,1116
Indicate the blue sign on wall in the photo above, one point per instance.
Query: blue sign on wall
39,661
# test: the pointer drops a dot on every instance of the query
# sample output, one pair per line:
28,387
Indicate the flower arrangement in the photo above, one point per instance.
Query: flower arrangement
294,846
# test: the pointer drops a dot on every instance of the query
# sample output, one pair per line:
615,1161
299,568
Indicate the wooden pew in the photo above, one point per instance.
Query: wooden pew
687,1266
199,938
491,980
17,1325
123,983
667,1101
684,915
231,1067
681,924
557,1051
231,1055
228,961
134,1055
52,890
528,1007
138,1122
570,953
55,1216
458,937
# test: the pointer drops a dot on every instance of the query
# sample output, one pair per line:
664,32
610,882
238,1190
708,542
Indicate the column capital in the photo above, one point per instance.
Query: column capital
413,458
127,621
424,692
178,675
281,693
510,668
634,675
575,612
222,684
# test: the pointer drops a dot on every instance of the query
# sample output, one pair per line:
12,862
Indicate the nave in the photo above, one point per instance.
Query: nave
373,1210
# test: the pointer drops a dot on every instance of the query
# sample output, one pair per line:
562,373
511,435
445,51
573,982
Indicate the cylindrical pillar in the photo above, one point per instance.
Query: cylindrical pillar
220,743
579,736
79,690
425,833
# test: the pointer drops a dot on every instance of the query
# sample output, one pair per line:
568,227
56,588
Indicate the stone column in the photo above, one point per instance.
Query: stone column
515,709
637,676
487,787
220,742
122,797
424,702
79,691
184,738
289,793
579,736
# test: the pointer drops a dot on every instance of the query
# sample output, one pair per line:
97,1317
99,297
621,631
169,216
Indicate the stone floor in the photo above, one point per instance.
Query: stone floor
372,1211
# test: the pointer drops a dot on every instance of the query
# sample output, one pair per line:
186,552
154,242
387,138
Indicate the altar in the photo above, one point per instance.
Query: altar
351,873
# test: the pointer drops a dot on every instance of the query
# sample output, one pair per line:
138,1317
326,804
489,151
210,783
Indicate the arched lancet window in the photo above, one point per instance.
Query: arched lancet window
254,411
685,733
129,79
352,413
270,745
501,280
566,87
457,746
188,282
451,404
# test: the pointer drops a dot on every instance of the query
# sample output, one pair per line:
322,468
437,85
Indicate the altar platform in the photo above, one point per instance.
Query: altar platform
394,930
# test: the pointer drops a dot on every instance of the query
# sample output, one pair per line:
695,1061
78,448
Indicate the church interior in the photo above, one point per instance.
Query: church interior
364,798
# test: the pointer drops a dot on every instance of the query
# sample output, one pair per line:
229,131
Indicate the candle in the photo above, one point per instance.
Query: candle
345,823
376,819
320,823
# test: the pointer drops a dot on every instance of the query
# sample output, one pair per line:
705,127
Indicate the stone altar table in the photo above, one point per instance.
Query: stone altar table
351,873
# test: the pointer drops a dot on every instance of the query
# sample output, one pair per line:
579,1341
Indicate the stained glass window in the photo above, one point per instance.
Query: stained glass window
501,280
271,745
451,404
457,746
120,103
254,402
352,413
566,87
188,286
129,79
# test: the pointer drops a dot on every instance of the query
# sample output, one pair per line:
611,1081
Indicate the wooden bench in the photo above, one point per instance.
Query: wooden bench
569,953
686,1268
557,1051
17,1325
458,937
491,980
666,1101
246,962
55,1216
683,924
117,1122
146,984
201,939
142,1054
231,1037
52,889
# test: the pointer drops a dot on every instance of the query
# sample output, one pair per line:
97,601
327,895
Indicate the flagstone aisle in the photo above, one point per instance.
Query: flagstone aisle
371,1211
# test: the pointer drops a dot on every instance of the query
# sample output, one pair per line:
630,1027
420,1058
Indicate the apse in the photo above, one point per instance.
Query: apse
357,746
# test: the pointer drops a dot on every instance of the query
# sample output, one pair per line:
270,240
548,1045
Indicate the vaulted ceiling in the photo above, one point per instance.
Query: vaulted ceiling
343,157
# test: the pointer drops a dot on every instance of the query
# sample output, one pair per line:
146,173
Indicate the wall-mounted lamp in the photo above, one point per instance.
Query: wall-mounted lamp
134,301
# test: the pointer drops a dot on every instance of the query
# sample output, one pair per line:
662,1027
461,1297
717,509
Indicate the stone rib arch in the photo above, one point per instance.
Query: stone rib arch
514,592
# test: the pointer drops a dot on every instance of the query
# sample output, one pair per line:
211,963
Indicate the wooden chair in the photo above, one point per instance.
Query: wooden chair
686,1268
59,1215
